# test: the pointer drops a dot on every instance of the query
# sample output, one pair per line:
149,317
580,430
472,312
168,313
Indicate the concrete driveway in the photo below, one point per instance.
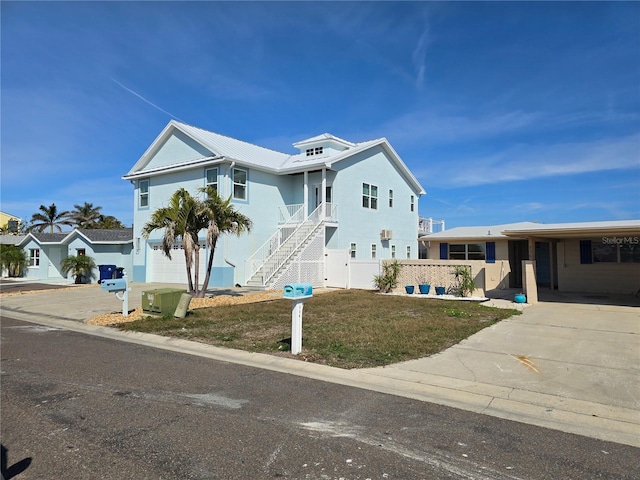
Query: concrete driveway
555,365
562,364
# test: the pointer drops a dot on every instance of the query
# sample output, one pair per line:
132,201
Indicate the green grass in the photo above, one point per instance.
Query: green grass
346,329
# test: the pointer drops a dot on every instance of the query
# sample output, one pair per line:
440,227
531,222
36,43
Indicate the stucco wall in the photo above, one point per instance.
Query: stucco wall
622,278
363,225
494,275
439,273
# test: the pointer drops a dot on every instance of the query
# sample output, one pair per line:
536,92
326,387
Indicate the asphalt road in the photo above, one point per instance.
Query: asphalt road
76,406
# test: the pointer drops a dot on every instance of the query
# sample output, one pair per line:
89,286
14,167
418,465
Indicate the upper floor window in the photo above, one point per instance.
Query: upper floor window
352,250
314,151
390,198
413,203
369,196
212,178
34,257
239,184
143,188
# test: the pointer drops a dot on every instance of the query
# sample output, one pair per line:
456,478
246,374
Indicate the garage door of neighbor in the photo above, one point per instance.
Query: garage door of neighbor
163,270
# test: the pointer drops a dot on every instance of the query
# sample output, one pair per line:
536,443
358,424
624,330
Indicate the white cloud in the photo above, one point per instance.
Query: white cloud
419,58
526,162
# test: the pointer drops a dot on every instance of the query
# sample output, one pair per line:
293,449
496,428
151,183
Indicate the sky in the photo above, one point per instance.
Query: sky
505,112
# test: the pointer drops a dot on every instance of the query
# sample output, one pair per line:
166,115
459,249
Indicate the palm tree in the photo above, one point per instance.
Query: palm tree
84,216
13,259
81,267
181,220
108,222
221,217
49,217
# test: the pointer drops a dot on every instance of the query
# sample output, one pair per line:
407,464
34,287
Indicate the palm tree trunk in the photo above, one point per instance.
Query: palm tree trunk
207,275
186,259
196,255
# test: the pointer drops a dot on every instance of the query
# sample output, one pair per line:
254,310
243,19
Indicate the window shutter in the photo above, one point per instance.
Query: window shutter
585,252
491,252
444,251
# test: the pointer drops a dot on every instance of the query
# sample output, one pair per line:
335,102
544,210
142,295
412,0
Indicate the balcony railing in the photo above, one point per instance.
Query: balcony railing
294,214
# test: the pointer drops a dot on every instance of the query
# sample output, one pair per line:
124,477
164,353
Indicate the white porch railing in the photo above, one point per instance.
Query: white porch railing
331,212
281,246
291,213
295,213
429,225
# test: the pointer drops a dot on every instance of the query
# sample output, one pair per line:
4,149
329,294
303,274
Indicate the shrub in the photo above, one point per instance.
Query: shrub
389,278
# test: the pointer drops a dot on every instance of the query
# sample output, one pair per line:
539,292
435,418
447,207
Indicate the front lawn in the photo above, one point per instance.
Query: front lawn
346,328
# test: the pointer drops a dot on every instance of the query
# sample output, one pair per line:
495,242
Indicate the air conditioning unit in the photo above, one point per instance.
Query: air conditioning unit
385,235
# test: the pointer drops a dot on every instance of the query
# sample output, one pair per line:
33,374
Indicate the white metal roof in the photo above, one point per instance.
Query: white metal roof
532,229
478,232
225,148
617,227
324,137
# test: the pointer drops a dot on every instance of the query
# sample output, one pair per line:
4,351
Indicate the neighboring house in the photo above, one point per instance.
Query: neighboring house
9,224
45,251
333,197
596,257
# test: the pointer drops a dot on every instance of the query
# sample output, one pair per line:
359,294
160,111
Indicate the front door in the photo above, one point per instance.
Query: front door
317,195
518,251
55,257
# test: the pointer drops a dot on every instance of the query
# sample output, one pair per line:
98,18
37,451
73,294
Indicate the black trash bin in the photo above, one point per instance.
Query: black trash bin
119,272
106,272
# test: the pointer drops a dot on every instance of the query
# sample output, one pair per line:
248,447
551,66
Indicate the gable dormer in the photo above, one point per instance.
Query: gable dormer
322,146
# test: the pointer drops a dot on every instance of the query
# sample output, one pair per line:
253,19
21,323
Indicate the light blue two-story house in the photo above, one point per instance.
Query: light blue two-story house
331,195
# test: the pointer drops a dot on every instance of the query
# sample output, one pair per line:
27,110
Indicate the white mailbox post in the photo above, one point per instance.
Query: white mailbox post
120,287
298,293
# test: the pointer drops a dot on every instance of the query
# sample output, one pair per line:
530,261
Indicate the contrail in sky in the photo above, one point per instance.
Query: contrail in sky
147,101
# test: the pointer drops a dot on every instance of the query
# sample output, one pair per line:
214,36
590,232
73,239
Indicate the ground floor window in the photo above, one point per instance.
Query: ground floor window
393,251
352,250
80,251
34,257
466,251
408,251
373,250
616,250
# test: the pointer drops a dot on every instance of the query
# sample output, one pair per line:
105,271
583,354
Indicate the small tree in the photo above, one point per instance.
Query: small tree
221,218
389,278
464,281
13,259
81,267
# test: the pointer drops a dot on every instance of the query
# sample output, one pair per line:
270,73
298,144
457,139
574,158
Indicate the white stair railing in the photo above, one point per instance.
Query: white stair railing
276,251
255,262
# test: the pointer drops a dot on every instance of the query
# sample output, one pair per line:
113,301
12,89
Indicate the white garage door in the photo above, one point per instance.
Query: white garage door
163,270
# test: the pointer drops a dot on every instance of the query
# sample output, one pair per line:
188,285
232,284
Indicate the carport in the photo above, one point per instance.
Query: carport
590,257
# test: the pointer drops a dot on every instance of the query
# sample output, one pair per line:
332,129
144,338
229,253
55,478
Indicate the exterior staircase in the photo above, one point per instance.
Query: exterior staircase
275,256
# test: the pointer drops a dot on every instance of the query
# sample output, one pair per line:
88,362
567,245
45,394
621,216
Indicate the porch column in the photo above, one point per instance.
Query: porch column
552,262
305,200
323,195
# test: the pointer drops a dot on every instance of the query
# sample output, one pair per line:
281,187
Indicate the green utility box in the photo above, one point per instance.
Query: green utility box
161,300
